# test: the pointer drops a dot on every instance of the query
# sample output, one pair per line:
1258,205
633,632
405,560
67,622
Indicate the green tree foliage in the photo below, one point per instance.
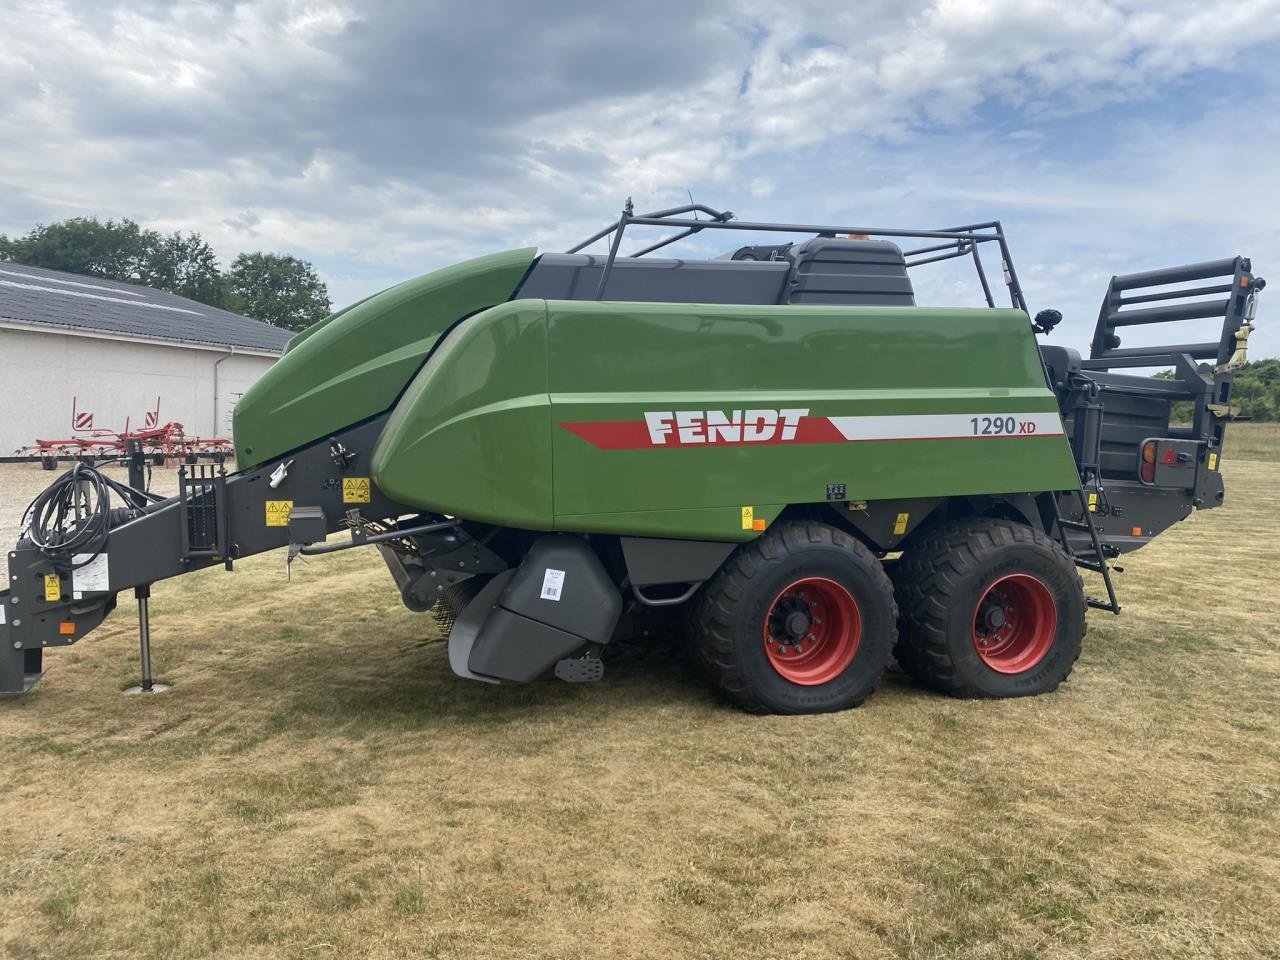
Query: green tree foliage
121,250
274,288
1255,394
111,250
1257,390
278,289
188,267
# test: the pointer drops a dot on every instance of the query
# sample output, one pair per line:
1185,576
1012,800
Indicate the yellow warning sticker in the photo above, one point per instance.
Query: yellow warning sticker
355,490
52,588
278,512
748,518
900,524
1213,461
1093,503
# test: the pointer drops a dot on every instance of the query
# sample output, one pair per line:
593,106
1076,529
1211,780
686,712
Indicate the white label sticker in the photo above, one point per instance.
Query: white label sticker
949,426
93,577
552,583
1,613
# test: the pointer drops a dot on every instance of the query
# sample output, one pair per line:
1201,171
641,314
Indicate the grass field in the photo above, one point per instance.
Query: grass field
317,784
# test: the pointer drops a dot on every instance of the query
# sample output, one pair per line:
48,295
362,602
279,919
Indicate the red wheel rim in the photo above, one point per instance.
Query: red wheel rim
1014,623
812,631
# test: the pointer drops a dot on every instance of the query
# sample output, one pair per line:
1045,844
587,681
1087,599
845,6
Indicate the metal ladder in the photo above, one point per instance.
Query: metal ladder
1099,563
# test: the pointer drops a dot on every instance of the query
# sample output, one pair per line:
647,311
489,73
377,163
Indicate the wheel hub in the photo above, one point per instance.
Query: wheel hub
1014,623
797,626
812,631
995,616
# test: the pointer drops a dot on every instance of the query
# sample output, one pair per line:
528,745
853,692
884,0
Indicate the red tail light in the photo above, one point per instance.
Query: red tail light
1148,473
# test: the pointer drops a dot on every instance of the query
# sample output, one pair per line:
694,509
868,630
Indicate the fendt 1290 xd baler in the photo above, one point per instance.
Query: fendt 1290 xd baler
775,450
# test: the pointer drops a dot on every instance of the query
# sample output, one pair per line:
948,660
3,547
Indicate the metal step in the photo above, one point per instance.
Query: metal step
1094,560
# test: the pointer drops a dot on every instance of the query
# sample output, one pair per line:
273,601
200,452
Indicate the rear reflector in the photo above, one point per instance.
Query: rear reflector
1169,458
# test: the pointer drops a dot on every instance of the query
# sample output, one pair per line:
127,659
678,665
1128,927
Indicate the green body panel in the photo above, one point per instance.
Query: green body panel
472,436
316,327
480,433
355,364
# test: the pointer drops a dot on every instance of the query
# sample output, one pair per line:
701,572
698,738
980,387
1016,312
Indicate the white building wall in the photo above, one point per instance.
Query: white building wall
113,379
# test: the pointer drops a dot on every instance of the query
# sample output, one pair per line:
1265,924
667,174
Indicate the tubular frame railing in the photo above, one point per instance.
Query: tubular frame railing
961,241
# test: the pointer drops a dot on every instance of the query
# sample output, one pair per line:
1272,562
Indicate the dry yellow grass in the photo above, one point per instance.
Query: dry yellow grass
317,784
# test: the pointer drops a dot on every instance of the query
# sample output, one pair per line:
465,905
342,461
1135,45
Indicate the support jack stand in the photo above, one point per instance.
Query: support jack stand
143,594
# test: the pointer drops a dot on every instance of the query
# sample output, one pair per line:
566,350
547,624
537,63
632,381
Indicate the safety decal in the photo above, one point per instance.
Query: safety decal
278,512
1213,461
90,574
900,524
748,517
52,588
355,489
704,428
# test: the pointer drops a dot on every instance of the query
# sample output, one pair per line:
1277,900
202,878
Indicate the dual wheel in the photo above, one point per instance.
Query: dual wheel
805,619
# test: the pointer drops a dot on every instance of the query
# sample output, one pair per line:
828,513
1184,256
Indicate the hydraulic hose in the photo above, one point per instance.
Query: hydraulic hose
72,518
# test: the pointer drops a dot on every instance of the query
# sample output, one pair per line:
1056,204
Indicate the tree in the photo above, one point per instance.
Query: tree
85,245
1257,389
121,250
278,289
1254,394
187,266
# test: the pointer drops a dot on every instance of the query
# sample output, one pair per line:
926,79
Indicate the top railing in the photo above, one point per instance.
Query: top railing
962,241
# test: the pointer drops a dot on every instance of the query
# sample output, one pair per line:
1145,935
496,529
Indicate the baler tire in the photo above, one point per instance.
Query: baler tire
942,584
731,620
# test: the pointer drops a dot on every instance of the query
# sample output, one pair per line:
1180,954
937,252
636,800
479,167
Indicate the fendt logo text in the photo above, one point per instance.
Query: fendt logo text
791,425
722,426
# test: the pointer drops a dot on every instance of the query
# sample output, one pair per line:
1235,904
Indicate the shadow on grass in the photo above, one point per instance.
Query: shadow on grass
414,689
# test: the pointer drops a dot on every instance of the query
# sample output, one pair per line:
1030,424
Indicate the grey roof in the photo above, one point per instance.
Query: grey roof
51,298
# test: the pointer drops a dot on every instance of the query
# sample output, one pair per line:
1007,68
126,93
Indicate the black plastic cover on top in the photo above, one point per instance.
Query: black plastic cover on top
829,270
822,270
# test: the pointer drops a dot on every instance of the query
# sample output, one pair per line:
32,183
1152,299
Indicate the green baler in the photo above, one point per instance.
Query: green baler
776,451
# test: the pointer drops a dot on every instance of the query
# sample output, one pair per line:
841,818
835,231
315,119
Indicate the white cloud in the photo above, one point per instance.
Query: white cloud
383,140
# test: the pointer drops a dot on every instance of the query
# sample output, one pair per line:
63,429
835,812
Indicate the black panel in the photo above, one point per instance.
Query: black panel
1061,362
558,600
561,583
651,561
822,270
853,272
575,276
512,647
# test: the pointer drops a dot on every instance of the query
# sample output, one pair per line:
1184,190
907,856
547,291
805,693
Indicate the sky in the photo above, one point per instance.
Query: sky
381,140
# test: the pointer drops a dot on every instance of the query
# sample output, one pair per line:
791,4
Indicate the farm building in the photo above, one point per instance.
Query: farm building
113,350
